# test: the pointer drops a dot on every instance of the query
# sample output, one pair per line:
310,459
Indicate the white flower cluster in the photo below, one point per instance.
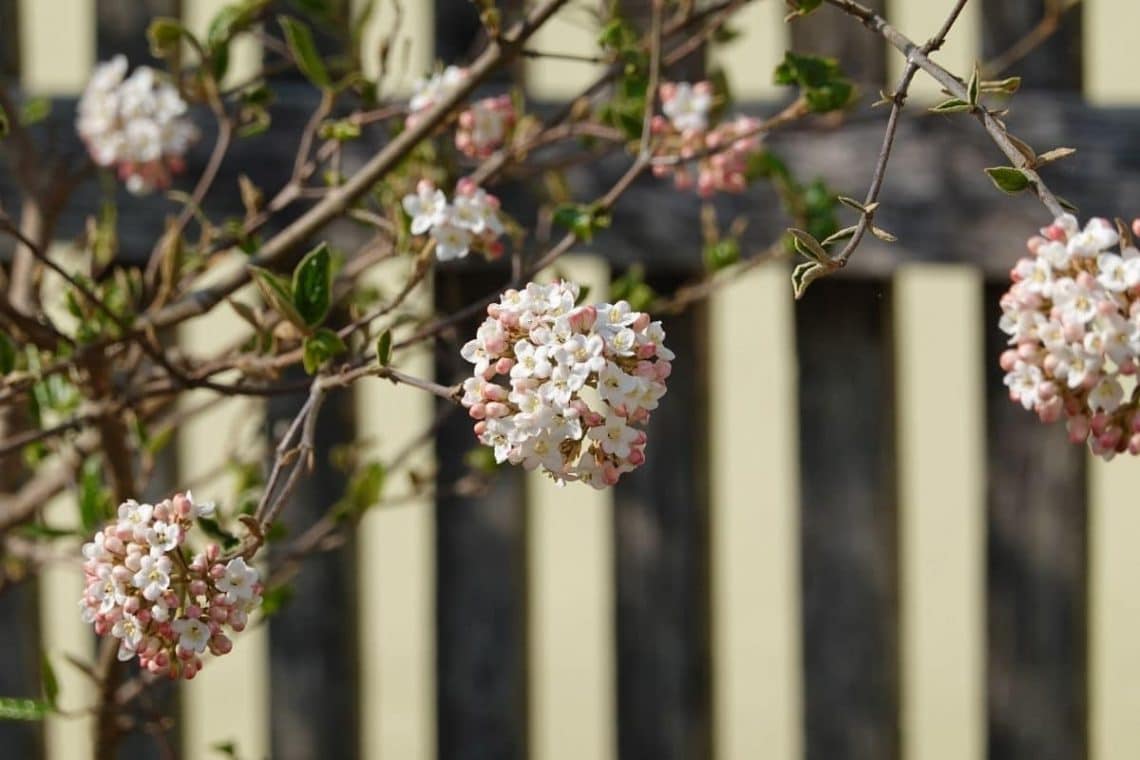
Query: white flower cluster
470,221
164,606
1073,317
554,357
432,89
484,126
137,125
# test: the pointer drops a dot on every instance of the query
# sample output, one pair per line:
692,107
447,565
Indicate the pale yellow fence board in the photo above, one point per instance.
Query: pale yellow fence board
412,49
1114,609
245,52
1109,48
939,382
750,60
570,600
754,520
229,699
396,562
920,20
57,45
572,30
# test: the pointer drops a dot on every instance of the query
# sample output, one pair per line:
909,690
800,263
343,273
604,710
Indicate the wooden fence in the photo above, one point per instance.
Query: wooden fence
846,543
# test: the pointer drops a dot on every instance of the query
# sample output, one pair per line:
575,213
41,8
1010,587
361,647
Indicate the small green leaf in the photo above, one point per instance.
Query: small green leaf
319,347
363,492
274,599
34,111
820,80
583,294
14,708
214,529
883,235
805,274
7,354
842,234
50,683
1005,86
721,254
384,348
304,51
802,7
277,294
953,105
312,285
972,91
1055,155
164,35
809,246
1008,179
4,125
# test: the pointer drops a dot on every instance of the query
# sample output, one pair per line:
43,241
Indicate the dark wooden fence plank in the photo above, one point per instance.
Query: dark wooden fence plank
661,529
1055,64
1037,559
480,571
848,523
9,38
831,32
312,640
19,665
121,27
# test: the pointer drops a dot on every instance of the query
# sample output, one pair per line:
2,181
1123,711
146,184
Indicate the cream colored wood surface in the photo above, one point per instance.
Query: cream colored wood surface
940,424
57,45
245,51
754,521
574,30
396,560
1109,48
751,59
920,20
570,601
412,50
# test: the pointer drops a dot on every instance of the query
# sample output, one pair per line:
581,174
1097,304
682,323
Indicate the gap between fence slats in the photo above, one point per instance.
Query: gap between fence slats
1114,609
754,520
229,700
939,377
396,559
57,39
570,601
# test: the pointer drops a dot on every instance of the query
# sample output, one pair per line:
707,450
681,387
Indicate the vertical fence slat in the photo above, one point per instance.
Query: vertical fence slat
396,561
57,45
313,703
574,29
1109,48
848,522
570,600
750,60
9,38
19,662
829,31
229,700
480,566
941,511
245,52
754,521
63,634
1114,609
412,48
920,20
662,567
1036,617
1057,63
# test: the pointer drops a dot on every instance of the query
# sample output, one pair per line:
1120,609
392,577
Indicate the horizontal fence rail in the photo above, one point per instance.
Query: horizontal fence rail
846,543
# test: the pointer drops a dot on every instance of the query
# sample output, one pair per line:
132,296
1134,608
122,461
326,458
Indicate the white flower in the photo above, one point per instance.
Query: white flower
427,207
1106,396
451,241
531,361
688,108
238,581
193,635
1112,275
130,631
615,435
1023,383
583,353
164,536
430,90
136,515
153,576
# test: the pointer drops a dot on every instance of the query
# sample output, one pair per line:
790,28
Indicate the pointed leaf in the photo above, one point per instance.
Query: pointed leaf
276,292
1056,154
384,348
804,274
953,105
972,87
319,347
312,285
1008,179
809,246
304,51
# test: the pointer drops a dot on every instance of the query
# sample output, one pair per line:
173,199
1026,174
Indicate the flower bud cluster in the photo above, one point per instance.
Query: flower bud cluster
137,125
483,127
469,221
165,606
432,89
1073,317
711,158
565,387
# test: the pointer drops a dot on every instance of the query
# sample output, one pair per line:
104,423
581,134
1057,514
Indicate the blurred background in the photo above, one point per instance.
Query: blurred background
846,542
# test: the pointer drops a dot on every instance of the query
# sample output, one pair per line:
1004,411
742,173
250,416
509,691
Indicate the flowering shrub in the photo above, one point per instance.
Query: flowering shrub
1073,317
431,89
137,125
470,221
556,358
164,605
714,159
484,126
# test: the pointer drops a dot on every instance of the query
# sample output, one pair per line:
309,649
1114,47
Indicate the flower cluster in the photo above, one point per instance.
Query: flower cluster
714,159
163,605
470,221
1073,317
136,124
576,382
431,90
483,127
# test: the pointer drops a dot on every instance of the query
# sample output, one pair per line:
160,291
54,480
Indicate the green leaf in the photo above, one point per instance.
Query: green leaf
583,294
304,51
14,708
319,347
214,529
843,234
277,294
1008,179
312,285
972,90
820,80
7,354
164,35
581,219
1005,86
805,274
94,500
807,245
803,7
722,254
364,491
50,683
4,125
34,111
384,348
953,105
